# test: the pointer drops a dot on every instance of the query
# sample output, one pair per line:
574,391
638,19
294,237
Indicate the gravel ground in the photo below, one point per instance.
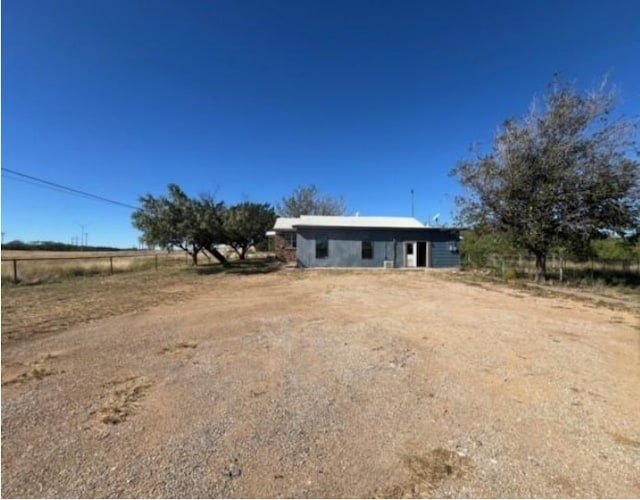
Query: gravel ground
329,384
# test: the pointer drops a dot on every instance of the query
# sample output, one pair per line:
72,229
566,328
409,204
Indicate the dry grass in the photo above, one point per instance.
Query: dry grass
37,267
619,298
43,267
33,370
53,306
46,254
179,347
123,399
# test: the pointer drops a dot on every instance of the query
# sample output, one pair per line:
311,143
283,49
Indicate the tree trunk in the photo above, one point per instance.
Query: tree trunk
193,253
541,266
243,253
221,258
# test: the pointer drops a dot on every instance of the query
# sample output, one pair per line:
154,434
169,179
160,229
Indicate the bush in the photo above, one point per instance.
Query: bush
511,273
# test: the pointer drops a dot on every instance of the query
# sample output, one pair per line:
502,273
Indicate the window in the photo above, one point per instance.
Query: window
322,247
367,250
290,240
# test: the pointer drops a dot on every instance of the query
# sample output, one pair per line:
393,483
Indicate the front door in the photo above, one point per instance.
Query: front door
410,254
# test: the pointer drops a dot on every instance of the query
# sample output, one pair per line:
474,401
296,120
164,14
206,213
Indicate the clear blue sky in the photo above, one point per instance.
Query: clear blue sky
249,99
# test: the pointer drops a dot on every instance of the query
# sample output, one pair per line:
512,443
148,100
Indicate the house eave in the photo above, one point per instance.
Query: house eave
382,228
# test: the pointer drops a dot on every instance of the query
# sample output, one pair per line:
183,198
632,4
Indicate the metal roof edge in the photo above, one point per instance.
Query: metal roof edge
409,228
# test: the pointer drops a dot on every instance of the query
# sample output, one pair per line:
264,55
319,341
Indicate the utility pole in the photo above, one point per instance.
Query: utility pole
83,236
412,203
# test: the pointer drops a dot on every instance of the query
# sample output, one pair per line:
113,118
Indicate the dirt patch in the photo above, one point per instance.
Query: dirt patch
179,347
317,384
426,473
123,400
619,438
15,373
49,308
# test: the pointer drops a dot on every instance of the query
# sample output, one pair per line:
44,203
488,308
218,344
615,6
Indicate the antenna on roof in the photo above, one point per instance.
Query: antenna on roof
435,219
412,202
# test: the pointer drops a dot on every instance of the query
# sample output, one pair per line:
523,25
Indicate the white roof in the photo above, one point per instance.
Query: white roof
285,223
289,223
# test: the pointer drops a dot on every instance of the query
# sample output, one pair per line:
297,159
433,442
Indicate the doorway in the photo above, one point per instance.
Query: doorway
410,254
422,254
417,254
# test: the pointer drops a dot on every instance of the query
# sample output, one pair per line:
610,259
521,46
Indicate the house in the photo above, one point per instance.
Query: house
337,241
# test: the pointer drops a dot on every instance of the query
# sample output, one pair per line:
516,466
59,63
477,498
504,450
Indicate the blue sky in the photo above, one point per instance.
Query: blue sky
249,99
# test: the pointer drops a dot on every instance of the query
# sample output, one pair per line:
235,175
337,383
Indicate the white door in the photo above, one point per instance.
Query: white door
410,254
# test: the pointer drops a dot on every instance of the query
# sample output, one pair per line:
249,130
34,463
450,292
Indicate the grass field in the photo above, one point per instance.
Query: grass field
41,267
253,381
37,267
623,274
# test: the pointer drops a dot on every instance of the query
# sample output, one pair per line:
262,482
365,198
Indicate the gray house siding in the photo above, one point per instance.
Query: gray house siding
440,245
345,246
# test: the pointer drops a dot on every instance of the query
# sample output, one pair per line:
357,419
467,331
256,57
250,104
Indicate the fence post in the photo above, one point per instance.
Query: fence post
15,270
156,261
110,265
561,270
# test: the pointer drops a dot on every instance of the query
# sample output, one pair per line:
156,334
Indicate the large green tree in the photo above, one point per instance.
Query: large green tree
246,225
176,220
208,222
557,177
198,224
307,200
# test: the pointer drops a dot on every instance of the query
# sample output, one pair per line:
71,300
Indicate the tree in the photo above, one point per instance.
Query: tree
178,220
155,221
308,201
210,223
478,246
246,225
614,249
558,177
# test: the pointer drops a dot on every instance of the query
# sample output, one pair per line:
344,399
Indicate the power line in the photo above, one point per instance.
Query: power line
7,175
29,179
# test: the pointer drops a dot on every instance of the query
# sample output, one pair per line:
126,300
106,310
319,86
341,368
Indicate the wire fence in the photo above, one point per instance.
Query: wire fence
33,269
613,271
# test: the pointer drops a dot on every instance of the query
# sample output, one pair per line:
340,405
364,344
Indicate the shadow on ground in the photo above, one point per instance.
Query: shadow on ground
246,267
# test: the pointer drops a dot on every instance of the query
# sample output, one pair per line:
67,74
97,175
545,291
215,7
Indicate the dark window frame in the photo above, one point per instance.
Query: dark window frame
366,250
290,240
322,247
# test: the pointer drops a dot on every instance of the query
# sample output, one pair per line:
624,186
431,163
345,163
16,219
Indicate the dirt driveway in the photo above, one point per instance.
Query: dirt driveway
329,384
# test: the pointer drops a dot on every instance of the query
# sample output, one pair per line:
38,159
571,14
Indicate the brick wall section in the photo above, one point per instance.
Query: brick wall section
283,251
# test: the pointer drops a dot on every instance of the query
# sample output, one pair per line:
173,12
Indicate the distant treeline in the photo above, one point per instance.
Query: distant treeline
56,246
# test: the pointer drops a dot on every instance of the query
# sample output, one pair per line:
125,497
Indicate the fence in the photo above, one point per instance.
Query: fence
619,271
42,268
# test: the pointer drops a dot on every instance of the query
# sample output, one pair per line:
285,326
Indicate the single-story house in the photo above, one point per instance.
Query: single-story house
337,241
